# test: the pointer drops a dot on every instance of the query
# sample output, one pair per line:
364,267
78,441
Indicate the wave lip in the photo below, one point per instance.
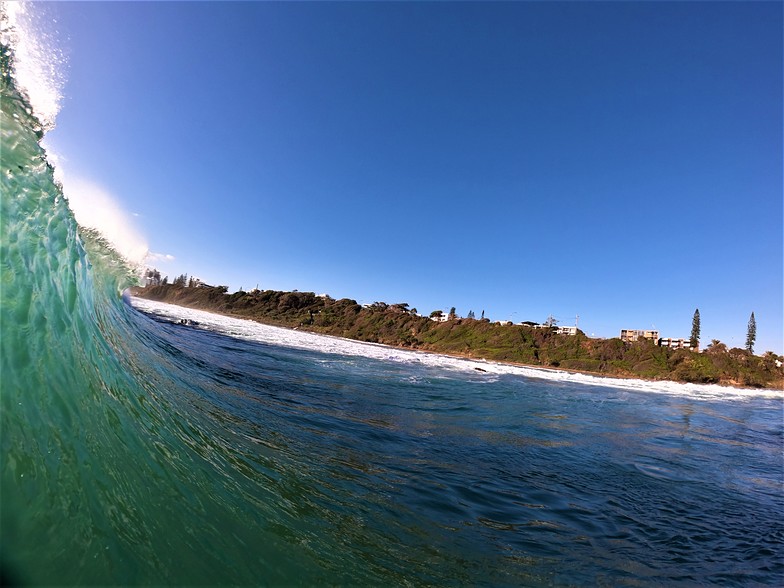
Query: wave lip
39,63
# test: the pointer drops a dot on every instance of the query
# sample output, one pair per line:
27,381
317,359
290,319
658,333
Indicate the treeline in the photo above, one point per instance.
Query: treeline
396,324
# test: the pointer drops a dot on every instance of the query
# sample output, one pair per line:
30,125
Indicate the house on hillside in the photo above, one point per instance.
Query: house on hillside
567,331
631,335
673,343
553,328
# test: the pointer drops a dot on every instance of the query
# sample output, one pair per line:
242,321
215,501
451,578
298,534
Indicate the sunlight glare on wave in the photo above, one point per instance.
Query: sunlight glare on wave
39,63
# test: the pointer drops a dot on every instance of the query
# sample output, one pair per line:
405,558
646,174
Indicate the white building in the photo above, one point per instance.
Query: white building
675,343
555,328
631,335
567,331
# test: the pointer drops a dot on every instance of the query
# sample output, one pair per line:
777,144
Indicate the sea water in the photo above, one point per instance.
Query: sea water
140,450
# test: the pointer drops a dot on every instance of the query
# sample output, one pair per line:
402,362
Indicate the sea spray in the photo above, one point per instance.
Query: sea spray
38,68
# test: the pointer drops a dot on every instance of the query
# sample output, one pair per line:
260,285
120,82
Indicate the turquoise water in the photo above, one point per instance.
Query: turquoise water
136,450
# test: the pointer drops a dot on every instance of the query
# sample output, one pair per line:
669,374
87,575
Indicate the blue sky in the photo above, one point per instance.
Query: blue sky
617,161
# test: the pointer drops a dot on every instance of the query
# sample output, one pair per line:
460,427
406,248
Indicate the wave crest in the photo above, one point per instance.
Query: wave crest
39,63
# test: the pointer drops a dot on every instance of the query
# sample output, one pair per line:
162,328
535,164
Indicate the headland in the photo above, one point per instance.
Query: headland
399,326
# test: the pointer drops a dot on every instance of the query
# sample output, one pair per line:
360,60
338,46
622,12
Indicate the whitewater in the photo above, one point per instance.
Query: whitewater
149,444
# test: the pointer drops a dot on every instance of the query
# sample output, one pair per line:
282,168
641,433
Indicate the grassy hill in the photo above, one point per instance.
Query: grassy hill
397,325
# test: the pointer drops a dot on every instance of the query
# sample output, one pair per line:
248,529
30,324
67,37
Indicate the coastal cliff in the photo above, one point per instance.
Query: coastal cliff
397,325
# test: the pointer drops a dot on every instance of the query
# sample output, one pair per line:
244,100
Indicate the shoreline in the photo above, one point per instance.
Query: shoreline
553,370
468,357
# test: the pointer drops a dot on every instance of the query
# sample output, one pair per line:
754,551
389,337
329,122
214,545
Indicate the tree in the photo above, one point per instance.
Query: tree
751,334
452,313
716,346
695,329
471,314
153,277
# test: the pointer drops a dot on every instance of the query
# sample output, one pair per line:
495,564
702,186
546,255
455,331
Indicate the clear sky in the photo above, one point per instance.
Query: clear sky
620,161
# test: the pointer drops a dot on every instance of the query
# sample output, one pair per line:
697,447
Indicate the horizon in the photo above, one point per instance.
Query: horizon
620,162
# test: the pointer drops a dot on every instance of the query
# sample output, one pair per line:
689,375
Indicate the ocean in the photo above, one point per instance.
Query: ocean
140,450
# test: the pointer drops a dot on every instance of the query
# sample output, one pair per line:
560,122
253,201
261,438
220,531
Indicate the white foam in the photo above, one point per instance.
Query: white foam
254,331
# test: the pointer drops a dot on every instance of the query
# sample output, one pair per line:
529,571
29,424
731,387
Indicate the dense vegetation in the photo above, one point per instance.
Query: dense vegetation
396,324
